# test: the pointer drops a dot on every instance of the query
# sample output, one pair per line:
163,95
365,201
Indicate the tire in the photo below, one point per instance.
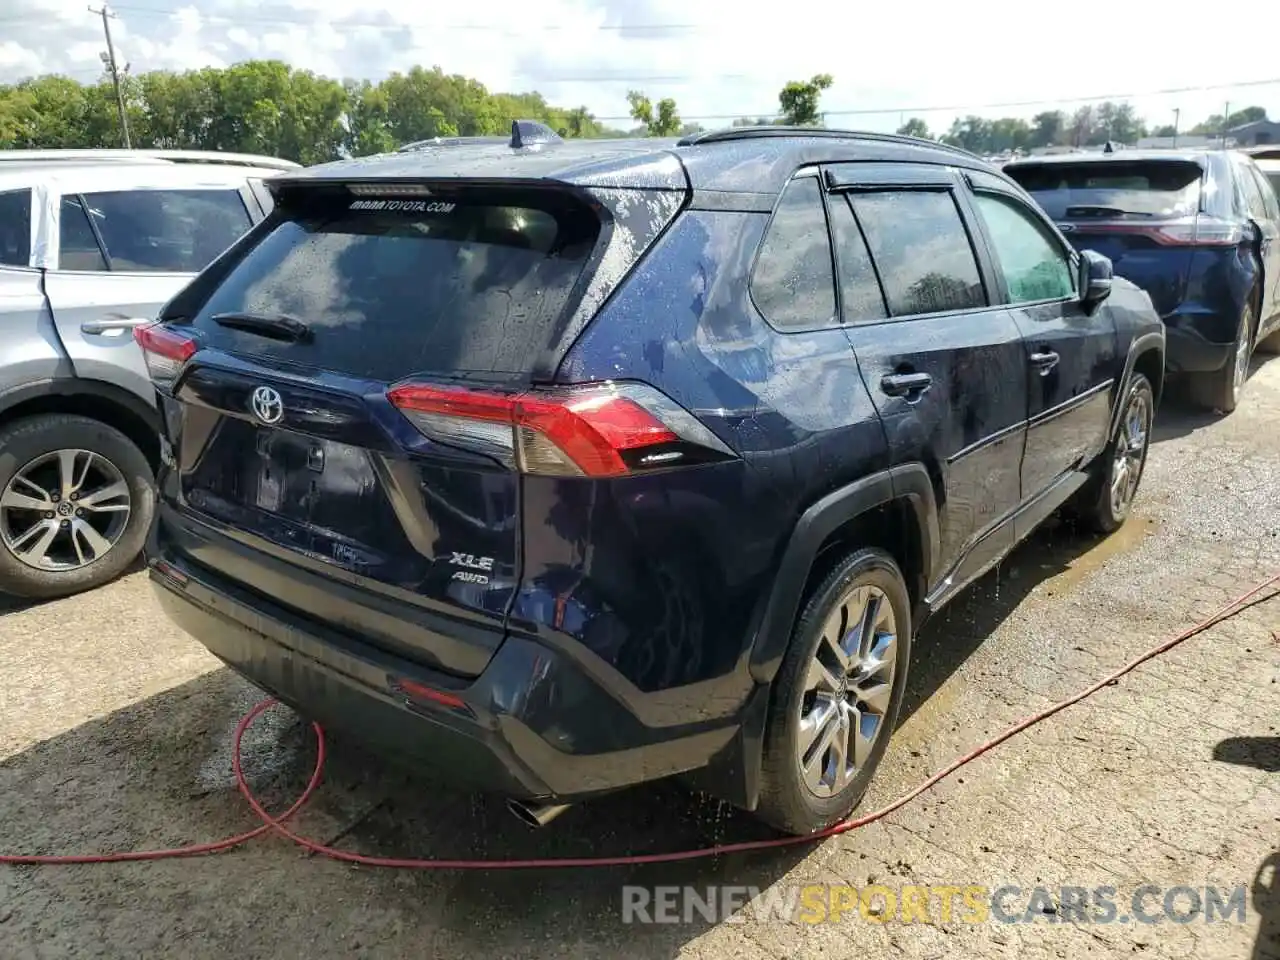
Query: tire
1271,345
1220,390
1095,506
787,802
74,560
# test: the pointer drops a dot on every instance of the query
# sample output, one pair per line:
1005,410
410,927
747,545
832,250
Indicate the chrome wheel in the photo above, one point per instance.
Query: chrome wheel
848,691
64,510
1130,452
1241,370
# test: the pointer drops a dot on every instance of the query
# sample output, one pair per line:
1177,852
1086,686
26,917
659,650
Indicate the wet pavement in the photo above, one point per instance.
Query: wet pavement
115,732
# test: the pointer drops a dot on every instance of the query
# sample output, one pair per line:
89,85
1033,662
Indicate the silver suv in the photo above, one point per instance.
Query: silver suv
92,244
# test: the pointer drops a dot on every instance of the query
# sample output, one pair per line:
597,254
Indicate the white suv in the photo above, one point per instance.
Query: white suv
92,244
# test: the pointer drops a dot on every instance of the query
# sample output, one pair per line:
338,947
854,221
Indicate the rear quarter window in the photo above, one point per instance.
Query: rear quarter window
166,231
391,288
15,228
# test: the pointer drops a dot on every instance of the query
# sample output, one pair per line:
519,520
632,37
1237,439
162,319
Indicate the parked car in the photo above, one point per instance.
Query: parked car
1199,230
91,246
564,468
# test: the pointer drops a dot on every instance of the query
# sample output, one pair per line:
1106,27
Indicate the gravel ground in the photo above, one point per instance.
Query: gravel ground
114,733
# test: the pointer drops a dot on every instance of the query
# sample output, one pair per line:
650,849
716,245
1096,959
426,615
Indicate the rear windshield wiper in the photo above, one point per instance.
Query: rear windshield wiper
1097,210
273,325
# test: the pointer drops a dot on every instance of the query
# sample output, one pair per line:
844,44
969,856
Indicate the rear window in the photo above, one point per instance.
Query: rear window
1113,188
392,287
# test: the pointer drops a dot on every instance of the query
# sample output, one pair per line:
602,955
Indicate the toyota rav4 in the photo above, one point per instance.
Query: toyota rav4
557,467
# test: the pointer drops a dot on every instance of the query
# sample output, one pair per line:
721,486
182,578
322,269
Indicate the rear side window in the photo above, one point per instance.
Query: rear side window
1269,206
1113,188
1034,266
393,287
77,246
167,231
15,228
793,284
922,250
861,299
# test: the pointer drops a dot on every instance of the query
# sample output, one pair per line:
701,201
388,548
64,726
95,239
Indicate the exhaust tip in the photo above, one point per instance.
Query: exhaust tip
536,815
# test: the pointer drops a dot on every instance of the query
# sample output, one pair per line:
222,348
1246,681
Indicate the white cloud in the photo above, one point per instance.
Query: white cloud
716,57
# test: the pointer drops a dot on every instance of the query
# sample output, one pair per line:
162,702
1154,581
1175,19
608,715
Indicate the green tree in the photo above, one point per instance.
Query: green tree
662,120
1216,125
1168,130
971,133
799,100
915,127
1047,129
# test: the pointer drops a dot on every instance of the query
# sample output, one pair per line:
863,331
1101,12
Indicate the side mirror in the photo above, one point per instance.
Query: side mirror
1095,278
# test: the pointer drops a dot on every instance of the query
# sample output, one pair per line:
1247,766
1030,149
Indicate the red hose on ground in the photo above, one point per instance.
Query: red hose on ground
278,824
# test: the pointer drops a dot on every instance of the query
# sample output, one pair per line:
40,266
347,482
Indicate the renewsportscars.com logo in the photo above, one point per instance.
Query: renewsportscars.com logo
403,206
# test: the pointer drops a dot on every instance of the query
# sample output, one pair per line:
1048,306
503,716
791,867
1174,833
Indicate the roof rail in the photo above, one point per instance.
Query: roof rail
729,134
170,156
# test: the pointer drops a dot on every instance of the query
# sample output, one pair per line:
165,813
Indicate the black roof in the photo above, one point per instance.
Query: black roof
738,160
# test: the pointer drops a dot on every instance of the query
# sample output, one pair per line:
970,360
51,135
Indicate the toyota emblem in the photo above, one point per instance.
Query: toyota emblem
267,405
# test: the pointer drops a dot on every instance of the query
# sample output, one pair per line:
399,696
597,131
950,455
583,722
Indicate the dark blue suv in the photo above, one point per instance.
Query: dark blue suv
1199,230
557,467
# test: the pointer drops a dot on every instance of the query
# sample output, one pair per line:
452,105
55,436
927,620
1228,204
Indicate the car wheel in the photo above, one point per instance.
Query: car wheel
836,697
1271,345
1104,503
76,501
1221,389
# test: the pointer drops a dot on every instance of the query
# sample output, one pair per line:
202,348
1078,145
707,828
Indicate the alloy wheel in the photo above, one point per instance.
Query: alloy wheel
1130,452
848,691
64,510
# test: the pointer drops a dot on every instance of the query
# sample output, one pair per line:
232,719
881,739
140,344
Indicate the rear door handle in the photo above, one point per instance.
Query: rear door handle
905,384
1044,360
113,326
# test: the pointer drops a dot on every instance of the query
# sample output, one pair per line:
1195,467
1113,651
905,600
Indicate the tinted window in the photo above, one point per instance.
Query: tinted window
15,228
921,249
1253,201
1268,193
860,295
1108,188
460,287
77,247
167,231
793,284
1033,264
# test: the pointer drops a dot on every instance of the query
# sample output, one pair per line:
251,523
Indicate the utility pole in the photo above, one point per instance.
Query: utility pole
1177,116
109,59
1226,112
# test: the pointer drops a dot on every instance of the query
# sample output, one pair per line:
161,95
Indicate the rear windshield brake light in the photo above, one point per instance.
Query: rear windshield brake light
598,430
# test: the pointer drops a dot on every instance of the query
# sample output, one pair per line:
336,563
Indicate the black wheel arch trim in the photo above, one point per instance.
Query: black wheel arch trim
1143,343
909,483
76,386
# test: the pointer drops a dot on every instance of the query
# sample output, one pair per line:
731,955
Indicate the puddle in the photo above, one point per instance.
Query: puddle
1131,535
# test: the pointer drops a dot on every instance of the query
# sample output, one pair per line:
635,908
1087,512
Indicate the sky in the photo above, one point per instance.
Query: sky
935,59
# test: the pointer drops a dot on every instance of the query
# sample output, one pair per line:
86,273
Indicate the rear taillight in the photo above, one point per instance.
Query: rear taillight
1197,231
165,351
598,430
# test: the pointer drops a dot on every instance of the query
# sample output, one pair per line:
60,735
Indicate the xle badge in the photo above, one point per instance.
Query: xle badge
472,563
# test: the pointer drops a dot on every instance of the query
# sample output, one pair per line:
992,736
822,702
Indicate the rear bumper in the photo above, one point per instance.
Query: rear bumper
533,725
1188,351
